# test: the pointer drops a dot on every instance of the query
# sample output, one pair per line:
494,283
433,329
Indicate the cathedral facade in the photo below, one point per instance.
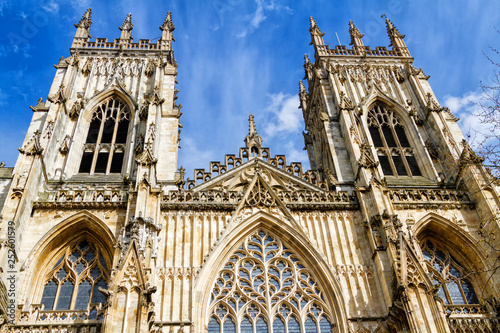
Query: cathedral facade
393,229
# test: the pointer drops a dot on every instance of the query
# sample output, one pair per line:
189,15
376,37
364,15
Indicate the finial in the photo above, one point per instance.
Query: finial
127,27
306,60
391,29
316,34
127,24
167,29
86,20
312,21
168,24
354,32
301,86
397,43
251,121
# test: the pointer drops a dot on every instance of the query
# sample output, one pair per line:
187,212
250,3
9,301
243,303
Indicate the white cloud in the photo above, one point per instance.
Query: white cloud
468,108
284,114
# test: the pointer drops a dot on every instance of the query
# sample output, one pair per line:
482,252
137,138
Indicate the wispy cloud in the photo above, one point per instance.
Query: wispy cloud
283,114
259,15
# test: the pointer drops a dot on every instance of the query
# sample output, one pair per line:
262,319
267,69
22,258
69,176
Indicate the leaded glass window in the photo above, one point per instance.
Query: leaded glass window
104,148
389,138
73,282
265,287
454,288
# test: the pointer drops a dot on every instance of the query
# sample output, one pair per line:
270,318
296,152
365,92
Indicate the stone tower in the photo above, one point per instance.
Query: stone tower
391,230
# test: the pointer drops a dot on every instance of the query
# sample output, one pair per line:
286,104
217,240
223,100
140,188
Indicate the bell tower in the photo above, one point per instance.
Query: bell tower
374,123
103,144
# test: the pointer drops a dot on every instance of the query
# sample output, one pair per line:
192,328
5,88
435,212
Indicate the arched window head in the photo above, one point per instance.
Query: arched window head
73,281
265,287
106,139
389,138
448,275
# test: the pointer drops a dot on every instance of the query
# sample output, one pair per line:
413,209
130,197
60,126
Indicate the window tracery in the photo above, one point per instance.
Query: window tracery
73,282
104,148
454,288
264,287
393,147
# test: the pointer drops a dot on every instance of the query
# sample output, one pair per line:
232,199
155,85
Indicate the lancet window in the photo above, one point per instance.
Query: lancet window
395,153
454,288
104,148
265,287
74,280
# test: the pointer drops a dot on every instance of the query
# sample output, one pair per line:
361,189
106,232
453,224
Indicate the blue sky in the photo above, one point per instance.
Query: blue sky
243,56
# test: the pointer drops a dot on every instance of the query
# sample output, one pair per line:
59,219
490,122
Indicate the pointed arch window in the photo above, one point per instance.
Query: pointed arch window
265,287
454,287
104,148
73,281
395,153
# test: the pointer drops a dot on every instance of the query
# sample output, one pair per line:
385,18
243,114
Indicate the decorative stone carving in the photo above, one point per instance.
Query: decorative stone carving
144,231
65,145
75,110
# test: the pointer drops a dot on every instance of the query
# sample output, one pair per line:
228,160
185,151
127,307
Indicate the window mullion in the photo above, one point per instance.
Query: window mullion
113,140
99,137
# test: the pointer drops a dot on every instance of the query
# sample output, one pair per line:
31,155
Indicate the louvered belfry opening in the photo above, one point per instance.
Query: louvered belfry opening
104,149
394,151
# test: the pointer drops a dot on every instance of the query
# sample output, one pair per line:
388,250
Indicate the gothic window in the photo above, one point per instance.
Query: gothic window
105,145
73,281
389,138
265,287
454,288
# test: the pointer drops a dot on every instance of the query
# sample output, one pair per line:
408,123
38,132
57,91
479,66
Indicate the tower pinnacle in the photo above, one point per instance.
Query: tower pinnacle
126,28
396,38
356,39
316,34
253,141
167,29
83,29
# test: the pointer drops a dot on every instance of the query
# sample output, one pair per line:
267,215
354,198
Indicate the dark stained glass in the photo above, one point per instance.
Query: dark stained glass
278,325
377,140
325,326
213,326
83,296
261,325
310,325
246,326
229,326
49,295
294,326
65,293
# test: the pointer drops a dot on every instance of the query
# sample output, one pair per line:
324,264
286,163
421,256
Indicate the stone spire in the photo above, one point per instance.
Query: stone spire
356,39
396,38
316,34
167,29
126,28
83,29
253,141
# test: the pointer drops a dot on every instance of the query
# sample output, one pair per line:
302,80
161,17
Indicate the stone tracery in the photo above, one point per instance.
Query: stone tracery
265,286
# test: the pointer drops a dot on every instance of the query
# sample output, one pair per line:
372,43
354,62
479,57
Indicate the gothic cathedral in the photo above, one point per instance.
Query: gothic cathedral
393,229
